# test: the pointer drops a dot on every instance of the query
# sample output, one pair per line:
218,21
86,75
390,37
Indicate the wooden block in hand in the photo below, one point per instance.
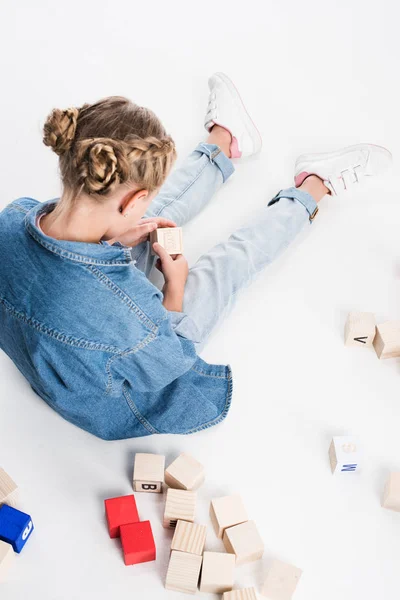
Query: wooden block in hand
185,473
218,572
183,572
189,537
8,489
7,557
360,329
387,339
243,594
120,511
226,512
344,454
244,542
281,581
15,527
148,472
180,505
391,496
138,543
169,238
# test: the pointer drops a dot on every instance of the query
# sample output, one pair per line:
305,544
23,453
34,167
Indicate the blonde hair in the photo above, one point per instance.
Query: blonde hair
111,142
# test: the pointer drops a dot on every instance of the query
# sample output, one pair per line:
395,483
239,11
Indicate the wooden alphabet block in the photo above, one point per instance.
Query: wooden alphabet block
226,512
218,572
281,581
244,594
244,541
360,329
7,557
391,496
138,543
183,572
185,473
170,238
148,472
15,527
180,505
387,340
8,489
344,454
120,511
189,537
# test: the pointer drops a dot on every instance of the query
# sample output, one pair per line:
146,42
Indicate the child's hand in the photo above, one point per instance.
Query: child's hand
174,268
140,232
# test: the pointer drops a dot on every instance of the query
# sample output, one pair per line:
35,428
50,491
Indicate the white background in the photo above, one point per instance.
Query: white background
315,76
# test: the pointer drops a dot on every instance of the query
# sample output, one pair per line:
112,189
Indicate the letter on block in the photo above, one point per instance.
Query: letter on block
281,581
360,329
391,496
15,527
226,512
183,572
189,537
170,238
244,541
180,505
138,543
120,511
244,594
185,473
7,557
344,454
218,572
148,472
387,339
8,489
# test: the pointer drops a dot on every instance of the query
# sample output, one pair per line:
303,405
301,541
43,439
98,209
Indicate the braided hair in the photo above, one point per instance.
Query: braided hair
111,142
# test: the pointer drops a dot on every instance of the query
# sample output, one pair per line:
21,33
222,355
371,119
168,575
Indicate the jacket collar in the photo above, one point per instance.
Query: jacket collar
93,254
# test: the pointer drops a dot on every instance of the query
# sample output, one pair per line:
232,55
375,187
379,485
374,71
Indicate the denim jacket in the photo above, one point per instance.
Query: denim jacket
89,332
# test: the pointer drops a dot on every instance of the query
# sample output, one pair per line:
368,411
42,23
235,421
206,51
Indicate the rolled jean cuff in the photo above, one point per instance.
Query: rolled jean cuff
216,156
184,326
303,197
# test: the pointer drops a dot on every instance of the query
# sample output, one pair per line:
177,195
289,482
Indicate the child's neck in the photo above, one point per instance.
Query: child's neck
74,225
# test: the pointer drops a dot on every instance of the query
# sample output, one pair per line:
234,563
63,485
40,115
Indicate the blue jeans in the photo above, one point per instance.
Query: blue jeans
218,275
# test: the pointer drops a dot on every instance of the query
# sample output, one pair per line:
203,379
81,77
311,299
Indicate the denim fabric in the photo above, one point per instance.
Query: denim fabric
303,197
88,330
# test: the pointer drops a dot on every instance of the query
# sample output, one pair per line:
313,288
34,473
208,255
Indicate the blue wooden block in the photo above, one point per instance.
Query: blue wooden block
15,527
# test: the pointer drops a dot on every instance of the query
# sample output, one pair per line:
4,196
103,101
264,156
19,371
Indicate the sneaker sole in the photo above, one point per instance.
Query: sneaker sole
305,158
249,124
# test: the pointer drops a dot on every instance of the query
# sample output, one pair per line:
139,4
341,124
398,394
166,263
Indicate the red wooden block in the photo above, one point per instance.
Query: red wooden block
120,511
138,543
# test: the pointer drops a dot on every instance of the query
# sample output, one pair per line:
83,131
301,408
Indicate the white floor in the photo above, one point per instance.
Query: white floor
315,76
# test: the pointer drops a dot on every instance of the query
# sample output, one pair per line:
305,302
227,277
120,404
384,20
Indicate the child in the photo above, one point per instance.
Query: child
78,315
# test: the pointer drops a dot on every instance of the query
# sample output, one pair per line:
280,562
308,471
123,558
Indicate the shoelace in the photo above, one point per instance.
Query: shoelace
345,179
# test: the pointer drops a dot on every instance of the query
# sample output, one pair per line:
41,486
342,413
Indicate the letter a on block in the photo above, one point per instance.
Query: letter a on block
360,329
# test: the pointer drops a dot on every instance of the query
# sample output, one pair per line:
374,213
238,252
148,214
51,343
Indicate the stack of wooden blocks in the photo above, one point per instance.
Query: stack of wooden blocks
190,566
15,526
361,330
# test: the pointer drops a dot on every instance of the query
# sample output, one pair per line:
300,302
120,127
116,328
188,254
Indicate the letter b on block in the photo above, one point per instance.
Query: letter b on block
149,487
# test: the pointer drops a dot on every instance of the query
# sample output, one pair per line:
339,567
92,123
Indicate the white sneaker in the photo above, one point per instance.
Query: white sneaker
225,108
344,168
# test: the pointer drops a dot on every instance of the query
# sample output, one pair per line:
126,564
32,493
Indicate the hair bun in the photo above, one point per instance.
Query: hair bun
59,129
101,163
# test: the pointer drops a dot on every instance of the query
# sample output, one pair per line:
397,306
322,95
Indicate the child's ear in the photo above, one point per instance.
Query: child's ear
131,198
